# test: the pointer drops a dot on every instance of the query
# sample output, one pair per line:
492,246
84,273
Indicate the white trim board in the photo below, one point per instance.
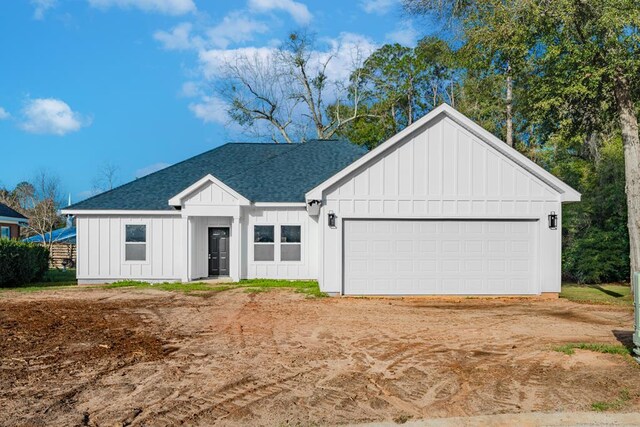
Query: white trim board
119,212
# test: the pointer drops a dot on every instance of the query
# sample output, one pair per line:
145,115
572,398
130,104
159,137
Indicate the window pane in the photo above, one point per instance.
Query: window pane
290,234
263,252
6,233
135,252
290,253
263,234
136,233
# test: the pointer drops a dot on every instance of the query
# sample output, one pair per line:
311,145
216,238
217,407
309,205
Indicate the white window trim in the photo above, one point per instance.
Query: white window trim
147,244
280,243
274,243
2,228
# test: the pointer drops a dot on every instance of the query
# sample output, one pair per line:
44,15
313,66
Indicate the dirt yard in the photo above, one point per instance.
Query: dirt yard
146,357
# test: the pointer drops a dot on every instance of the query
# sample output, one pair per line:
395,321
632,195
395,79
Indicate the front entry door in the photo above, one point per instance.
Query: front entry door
218,252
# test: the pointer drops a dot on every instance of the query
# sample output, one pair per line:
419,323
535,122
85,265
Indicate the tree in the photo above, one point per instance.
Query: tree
43,206
592,55
496,44
288,89
106,178
400,84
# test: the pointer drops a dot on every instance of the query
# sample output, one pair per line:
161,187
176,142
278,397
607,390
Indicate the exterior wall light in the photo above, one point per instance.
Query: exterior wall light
553,221
313,207
332,219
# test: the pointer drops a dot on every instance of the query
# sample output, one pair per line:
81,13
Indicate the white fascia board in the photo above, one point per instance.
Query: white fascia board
177,199
117,212
280,204
567,194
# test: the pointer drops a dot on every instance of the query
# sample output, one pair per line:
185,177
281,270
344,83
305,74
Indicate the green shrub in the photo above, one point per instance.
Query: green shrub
22,263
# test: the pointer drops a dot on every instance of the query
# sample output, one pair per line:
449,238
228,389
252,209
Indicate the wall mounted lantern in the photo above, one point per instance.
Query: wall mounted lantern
332,219
313,207
553,221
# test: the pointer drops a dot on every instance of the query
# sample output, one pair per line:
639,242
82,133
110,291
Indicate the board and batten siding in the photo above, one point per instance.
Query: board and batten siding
210,195
100,248
441,171
307,268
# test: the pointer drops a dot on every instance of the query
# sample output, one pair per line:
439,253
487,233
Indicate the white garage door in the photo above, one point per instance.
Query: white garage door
429,257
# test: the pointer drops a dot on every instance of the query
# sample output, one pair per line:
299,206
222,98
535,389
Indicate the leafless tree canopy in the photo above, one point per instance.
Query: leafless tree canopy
288,89
106,179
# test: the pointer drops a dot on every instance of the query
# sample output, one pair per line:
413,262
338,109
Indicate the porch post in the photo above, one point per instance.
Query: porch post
186,251
235,248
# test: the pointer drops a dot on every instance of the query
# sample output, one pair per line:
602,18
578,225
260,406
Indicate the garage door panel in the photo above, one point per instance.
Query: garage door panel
440,257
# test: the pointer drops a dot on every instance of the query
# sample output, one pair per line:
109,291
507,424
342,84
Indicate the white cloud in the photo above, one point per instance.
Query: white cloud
151,169
236,27
41,7
4,114
51,116
167,7
379,7
210,109
178,38
190,89
298,11
347,52
405,35
213,60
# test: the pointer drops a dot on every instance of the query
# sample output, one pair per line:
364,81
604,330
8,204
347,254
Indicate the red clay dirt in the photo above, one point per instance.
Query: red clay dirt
144,357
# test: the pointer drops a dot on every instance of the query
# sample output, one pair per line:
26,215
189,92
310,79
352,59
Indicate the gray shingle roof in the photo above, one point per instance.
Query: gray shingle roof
8,212
260,172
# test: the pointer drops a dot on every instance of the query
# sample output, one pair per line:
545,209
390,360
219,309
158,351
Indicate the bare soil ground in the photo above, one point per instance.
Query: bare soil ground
145,357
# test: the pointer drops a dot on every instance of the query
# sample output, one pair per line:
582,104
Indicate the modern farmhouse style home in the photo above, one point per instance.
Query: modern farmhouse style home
443,207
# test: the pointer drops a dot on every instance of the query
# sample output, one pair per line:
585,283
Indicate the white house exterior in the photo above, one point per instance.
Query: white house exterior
443,207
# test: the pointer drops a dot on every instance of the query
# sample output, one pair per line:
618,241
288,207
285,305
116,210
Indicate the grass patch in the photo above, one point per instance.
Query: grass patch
251,286
619,403
58,279
166,286
307,287
600,348
617,294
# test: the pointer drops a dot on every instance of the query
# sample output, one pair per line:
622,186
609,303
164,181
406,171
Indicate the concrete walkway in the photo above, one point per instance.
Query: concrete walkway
533,419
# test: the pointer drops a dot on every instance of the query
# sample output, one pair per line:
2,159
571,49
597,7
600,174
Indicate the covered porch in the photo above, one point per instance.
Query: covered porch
212,223
213,247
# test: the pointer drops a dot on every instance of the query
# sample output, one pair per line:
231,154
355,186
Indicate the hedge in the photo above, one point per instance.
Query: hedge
22,263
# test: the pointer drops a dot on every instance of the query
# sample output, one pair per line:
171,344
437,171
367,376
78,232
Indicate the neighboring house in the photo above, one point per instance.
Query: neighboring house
443,207
10,222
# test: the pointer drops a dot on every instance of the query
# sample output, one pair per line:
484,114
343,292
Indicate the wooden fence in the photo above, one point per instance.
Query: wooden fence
61,252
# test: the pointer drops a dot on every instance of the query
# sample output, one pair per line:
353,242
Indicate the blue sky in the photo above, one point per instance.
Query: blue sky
84,83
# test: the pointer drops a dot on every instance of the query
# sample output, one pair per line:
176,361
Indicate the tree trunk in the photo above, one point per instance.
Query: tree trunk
509,107
631,142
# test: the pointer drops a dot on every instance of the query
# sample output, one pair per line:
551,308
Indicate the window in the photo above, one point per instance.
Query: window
135,246
5,232
263,243
290,247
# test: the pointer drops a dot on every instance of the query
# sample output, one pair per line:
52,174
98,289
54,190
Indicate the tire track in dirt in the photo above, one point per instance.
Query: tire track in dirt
230,398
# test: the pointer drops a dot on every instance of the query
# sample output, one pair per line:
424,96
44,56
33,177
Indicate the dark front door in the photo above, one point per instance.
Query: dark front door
218,252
